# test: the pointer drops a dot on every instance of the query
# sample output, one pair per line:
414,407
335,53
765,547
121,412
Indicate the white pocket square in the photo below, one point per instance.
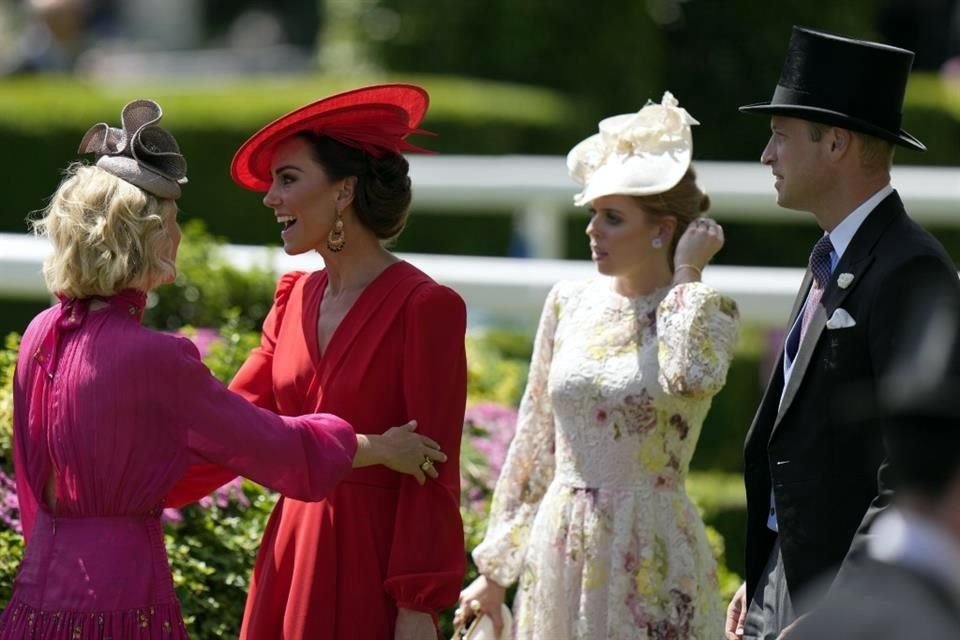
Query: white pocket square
841,320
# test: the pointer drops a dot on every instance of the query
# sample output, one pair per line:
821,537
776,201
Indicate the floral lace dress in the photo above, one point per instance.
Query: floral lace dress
590,513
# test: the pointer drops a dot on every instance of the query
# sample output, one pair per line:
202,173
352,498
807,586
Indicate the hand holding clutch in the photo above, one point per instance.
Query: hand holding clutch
480,627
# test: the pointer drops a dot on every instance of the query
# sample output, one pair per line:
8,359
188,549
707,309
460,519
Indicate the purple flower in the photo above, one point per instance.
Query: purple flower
222,497
9,504
490,428
171,516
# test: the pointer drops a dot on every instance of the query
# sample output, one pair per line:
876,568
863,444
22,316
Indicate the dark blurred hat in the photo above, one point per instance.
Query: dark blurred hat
141,152
842,82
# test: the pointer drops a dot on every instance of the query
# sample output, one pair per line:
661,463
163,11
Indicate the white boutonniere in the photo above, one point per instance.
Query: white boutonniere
844,280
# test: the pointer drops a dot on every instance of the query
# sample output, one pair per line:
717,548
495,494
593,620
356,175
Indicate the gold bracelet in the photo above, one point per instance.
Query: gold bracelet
690,266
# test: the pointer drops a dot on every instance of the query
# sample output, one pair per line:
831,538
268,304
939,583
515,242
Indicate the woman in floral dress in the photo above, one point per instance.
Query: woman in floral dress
590,513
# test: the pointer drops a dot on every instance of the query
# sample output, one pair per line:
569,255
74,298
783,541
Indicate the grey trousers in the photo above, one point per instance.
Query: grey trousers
770,611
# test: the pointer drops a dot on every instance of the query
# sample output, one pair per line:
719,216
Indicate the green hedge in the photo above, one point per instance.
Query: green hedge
42,121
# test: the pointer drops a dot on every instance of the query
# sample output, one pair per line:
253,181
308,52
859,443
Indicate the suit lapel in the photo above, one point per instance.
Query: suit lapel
804,352
772,392
855,261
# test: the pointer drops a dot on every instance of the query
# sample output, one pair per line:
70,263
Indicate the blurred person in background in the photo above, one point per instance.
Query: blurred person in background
590,513
368,337
56,33
110,415
815,486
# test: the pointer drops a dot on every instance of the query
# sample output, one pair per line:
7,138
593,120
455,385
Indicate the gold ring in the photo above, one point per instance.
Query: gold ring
426,464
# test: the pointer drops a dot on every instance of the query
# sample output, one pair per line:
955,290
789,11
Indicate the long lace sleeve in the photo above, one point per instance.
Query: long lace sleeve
529,466
697,331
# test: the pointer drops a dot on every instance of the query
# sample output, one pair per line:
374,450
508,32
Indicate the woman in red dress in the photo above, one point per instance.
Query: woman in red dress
369,338
110,416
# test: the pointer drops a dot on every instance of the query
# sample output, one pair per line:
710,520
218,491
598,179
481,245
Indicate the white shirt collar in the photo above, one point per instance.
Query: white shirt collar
910,540
841,236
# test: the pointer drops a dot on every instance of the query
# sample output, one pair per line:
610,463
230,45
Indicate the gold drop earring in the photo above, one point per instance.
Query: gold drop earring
336,239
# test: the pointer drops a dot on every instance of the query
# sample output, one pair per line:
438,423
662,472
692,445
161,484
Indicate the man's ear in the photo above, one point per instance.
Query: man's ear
840,140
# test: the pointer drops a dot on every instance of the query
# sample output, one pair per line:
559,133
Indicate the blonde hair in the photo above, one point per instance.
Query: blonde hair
684,202
107,235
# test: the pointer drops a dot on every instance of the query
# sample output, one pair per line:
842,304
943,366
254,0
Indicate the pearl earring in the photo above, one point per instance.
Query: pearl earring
656,243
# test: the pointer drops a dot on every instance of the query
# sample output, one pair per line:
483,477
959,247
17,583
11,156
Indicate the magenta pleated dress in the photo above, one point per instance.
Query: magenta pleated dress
113,415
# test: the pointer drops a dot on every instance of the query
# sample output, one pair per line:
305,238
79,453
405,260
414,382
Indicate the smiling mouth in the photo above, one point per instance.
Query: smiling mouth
286,222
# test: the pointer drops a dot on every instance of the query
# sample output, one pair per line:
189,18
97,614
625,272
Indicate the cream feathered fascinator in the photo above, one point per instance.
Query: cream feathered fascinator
142,152
634,154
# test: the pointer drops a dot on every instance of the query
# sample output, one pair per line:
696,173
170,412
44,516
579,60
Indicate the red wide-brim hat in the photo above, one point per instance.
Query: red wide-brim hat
376,119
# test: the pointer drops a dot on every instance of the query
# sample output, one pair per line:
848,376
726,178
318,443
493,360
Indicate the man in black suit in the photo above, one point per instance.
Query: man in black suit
815,483
909,585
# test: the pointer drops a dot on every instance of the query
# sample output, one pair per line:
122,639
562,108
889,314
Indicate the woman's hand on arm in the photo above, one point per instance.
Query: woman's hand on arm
400,449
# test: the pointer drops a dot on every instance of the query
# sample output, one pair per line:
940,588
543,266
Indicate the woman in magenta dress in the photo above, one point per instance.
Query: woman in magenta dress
369,338
109,415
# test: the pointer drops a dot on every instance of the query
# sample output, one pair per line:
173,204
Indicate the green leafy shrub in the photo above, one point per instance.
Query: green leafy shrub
722,501
11,553
212,548
207,286
492,376
8,360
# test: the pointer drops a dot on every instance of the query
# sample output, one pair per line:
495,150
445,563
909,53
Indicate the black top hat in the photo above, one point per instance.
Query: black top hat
842,82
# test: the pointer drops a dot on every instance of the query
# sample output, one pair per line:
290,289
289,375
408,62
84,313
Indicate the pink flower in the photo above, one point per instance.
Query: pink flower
171,516
490,428
9,504
222,497
203,338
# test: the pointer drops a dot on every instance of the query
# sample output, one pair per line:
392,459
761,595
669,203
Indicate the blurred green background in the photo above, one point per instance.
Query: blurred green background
505,77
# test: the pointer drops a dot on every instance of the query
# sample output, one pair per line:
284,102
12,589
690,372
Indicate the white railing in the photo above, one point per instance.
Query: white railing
497,290
537,190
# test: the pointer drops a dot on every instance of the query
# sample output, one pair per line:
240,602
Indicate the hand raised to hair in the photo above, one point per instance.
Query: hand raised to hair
701,240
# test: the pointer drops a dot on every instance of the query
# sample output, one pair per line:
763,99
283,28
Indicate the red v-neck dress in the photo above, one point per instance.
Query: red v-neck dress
340,568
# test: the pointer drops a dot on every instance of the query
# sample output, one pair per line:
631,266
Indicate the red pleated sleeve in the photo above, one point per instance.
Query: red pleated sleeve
427,562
